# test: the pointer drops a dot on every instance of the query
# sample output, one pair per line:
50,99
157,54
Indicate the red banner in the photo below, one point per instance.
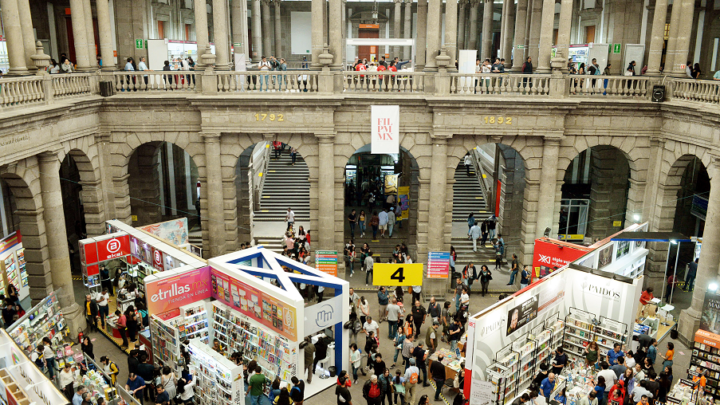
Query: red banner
550,255
112,248
498,193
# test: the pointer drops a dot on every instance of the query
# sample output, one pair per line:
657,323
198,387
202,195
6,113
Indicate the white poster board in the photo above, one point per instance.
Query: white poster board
385,129
466,65
300,29
634,52
240,63
599,52
157,53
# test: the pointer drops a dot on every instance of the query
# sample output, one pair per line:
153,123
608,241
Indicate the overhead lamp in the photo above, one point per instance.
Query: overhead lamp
713,287
636,217
673,241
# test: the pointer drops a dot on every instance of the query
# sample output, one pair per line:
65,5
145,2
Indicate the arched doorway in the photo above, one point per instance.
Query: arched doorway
163,185
374,182
492,189
594,194
268,182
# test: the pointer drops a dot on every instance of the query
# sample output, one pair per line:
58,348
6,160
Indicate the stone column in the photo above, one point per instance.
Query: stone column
709,258
657,41
438,200
106,47
58,255
90,32
535,24
671,49
520,35
278,34
563,41
336,34
397,19
472,31
683,38
215,213
257,37
546,36
508,30
326,191
201,31
220,35
408,28
28,33
461,25
433,34
80,35
420,44
451,32
316,35
487,30
548,186
503,32
266,28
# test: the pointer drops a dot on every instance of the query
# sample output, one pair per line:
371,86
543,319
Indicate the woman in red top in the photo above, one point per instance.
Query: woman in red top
645,298
616,396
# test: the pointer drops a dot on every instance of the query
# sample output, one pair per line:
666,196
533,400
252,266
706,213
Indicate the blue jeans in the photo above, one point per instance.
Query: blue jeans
354,371
263,78
512,276
352,230
368,273
690,283
375,229
453,346
362,227
397,351
255,399
392,330
492,234
457,302
51,367
438,388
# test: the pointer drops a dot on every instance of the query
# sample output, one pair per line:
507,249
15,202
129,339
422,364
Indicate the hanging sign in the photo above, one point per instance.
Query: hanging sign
323,315
438,264
385,123
403,274
170,293
326,261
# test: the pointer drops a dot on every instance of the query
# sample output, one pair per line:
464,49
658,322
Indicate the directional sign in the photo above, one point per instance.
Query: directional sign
394,274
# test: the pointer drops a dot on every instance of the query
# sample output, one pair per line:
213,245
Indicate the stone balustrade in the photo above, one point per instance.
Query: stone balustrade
386,81
492,84
701,91
44,88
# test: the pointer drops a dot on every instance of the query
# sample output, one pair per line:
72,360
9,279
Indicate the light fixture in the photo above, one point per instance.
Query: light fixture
636,217
713,287
673,241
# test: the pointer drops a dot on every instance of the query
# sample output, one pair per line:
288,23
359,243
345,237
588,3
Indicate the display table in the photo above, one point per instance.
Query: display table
111,327
450,361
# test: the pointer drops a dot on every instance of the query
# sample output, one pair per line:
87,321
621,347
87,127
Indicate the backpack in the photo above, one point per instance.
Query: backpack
413,378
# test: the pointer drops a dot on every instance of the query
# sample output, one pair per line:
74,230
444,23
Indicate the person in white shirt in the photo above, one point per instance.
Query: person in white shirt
129,66
102,300
355,361
185,390
66,380
609,375
629,359
370,326
264,66
290,217
383,222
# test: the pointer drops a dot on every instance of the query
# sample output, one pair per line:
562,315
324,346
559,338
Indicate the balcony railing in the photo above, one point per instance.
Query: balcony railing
155,81
31,90
702,91
21,91
258,82
499,84
610,86
385,82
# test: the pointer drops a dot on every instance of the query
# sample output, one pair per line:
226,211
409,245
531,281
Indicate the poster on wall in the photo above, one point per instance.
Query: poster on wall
327,261
385,129
261,307
605,256
710,316
438,264
522,314
175,231
404,199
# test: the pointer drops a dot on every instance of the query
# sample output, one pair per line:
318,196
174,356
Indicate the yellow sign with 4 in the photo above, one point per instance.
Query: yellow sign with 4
403,274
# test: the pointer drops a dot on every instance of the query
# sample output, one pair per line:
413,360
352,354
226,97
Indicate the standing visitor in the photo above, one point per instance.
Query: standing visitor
352,220
309,352
690,277
391,220
369,264
468,162
256,386
122,328
485,277
290,218
383,216
374,222
525,277
412,374
392,315
355,361
437,373
474,233
383,301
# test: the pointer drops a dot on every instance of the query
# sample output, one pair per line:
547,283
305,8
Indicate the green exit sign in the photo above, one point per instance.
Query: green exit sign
138,44
617,48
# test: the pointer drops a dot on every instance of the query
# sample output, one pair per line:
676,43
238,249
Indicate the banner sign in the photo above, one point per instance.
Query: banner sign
403,274
261,307
710,316
391,182
327,262
522,314
438,264
699,207
404,200
549,255
102,248
169,293
385,125
323,315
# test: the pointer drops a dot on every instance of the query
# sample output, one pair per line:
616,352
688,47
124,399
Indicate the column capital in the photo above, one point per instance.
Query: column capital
265,2
397,1
210,136
102,136
551,140
48,156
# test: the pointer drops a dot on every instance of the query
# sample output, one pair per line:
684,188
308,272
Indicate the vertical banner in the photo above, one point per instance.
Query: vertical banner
404,199
438,264
469,358
497,198
327,262
385,125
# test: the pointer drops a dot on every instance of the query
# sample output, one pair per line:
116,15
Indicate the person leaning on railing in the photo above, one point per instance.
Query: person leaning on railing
717,75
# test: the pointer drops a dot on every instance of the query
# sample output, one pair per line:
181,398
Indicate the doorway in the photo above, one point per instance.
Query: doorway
589,34
369,52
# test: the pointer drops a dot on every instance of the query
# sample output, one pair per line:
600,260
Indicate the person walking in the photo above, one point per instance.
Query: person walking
514,269
469,275
391,221
374,223
355,361
419,314
361,223
309,353
369,263
485,231
412,374
352,220
383,216
399,387
437,373
470,221
485,277
492,222
690,277
399,343
290,218
293,154
474,233
468,162
383,301
392,315
122,328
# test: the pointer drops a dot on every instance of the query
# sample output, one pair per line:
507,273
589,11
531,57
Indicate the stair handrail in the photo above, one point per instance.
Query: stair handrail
478,173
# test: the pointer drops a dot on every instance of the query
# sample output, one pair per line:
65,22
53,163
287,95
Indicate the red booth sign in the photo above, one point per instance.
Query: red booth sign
550,255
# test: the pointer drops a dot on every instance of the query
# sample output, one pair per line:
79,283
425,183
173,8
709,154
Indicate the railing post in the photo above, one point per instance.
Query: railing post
327,82
558,81
209,81
442,77
48,88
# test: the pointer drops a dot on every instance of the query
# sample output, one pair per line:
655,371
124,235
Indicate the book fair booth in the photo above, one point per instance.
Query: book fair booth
246,303
594,298
12,267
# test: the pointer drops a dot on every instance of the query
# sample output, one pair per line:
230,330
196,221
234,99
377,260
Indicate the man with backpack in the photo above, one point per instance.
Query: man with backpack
411,379
371,391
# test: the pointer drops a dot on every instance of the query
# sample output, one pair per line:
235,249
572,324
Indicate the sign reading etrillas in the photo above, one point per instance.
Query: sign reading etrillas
385,129
166,294
402,274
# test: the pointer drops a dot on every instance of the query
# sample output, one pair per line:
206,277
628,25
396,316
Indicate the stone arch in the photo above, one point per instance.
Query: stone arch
232,146
23,179
418,147
86,156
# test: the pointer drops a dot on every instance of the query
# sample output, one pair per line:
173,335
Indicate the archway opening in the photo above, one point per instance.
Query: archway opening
74,210
377,183
594,195
163,186
270,177
490,187
9,221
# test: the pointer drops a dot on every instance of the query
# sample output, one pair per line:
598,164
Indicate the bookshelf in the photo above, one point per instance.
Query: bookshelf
165,342
583,327
219,381
706,357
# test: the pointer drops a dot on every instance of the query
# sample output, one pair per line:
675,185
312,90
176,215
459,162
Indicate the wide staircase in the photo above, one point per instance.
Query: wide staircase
285,186
468,195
